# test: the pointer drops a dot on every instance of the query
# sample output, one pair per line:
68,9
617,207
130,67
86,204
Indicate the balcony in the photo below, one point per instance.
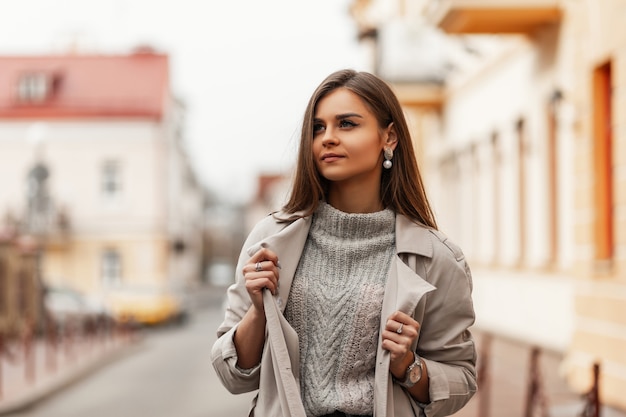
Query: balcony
492,16
419,94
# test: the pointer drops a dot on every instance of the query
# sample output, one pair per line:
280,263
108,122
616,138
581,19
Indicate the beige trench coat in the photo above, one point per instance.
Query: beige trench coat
429,279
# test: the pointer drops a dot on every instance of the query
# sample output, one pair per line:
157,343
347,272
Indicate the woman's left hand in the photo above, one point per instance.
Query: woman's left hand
400,332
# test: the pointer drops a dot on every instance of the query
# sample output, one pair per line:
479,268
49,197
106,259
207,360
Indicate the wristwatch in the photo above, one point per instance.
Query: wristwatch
413,373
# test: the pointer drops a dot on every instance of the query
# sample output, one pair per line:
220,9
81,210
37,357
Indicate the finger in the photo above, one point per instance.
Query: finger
261,266
399,317
405,338
265,254
394,325
270,275
399,339
262,274
397,350
257,285
261,269
252,267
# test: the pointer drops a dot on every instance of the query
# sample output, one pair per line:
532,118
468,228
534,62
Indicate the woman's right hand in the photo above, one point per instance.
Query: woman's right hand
261,272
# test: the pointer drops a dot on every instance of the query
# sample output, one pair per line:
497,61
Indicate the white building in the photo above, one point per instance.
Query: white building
121,204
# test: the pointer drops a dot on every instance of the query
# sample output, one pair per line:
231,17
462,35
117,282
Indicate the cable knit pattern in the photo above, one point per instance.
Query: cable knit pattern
334,305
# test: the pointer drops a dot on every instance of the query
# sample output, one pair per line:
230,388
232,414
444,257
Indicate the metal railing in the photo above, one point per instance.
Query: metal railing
536,400
83,338
28,329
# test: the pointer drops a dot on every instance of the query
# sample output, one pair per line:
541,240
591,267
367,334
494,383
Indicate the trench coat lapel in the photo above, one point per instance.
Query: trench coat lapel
412,240
403,290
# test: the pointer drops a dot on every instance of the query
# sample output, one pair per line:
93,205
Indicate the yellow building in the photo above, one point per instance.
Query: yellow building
525,159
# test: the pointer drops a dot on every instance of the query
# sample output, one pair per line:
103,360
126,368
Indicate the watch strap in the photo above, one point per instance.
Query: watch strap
407,382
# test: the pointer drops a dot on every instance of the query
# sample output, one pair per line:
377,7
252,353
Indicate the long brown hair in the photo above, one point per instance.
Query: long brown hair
402,188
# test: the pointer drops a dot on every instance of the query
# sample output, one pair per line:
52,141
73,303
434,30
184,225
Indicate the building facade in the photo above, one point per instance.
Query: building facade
524,154
94,165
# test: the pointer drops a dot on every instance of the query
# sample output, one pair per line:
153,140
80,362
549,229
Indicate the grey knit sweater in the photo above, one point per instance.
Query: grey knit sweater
334,306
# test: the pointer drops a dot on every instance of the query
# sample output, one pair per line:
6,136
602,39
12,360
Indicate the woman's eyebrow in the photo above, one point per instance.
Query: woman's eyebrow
339,117
346,115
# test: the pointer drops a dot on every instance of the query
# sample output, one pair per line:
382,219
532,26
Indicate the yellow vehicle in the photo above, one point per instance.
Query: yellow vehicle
146,305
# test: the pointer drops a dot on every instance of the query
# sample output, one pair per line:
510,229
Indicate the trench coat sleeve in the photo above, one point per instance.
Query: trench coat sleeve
223,353
445,342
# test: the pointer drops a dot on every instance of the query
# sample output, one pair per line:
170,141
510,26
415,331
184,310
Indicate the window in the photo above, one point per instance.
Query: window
603,166
36,87
111,180
111,268
496,174
553,180
520,129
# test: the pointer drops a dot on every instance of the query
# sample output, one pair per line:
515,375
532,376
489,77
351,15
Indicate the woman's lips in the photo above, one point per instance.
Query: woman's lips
331,157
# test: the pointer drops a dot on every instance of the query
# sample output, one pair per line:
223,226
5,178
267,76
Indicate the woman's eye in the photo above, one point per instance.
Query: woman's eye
317,127
346,124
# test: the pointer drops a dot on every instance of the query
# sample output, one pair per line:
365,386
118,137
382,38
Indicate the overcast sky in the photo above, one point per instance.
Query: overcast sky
244,68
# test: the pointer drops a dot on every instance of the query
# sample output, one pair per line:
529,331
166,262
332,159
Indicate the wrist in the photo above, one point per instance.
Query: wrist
399,371
413,373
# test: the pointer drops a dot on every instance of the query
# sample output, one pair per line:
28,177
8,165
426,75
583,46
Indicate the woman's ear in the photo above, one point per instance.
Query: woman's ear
392,138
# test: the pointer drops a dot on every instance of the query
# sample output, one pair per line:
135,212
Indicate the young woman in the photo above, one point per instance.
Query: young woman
377,303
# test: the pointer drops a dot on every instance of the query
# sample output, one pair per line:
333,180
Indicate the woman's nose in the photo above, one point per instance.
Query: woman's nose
329,138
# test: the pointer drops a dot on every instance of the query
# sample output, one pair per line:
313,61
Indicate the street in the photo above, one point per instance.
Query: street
169,375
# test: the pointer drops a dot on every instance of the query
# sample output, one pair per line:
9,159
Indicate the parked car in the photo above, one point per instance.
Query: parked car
71,310
146,305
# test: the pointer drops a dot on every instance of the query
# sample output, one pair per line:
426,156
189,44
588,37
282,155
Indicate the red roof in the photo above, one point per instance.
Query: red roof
77,86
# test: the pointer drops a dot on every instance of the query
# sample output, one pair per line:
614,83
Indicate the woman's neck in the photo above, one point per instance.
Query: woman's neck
354,200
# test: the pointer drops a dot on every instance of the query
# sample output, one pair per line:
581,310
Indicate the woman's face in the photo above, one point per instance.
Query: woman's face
347,141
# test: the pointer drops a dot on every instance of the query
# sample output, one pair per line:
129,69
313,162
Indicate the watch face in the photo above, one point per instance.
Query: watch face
415,374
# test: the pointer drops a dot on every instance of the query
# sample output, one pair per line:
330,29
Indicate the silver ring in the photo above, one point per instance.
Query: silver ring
399,331
258,267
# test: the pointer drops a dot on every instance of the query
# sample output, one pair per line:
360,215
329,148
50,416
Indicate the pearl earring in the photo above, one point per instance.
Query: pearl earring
388,155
